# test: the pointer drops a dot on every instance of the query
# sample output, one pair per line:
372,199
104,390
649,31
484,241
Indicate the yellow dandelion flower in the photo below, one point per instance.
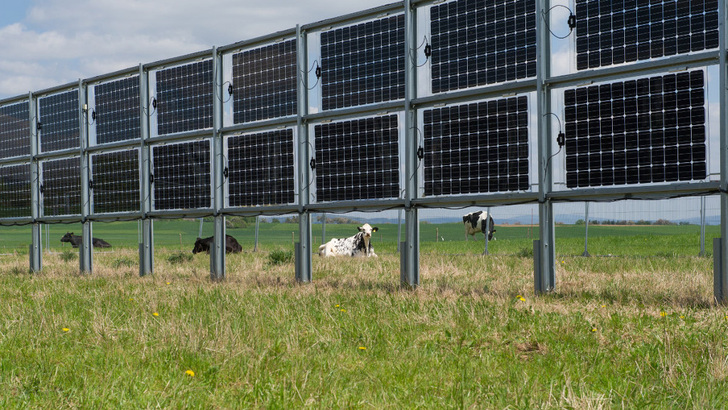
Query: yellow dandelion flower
190,373
682,316
604,306
336,306
663,314
343,310
65,329
362,348
169,283
155,314
130,299
594,329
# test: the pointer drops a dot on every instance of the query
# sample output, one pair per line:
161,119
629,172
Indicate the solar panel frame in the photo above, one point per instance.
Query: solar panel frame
182,175
61,186
115,181
184,98
59,124
262,169
15,130
116,114
15,191
358,159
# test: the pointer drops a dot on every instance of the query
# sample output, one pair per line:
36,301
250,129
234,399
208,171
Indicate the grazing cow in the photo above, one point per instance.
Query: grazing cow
475,222
204,244
357,245
76,240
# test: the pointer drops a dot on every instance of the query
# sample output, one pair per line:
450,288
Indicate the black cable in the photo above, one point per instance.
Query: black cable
571,21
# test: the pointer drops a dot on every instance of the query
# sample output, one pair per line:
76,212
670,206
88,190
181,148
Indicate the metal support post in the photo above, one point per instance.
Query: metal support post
303,255
36,246
323,228
146,245
586,229
545,281
217,254
257,229
86,255
702,226
487,230
721,270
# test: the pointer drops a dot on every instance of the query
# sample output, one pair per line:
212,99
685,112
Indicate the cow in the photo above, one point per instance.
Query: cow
204,244
357,245
476,222
76,240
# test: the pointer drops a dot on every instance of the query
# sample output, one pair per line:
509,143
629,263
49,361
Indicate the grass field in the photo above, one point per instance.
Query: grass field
635,330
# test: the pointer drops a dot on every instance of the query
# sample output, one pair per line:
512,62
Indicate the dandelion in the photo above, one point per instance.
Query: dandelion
155,314
362,348
190,373
336,306
169,283
130,299
343,310
663,314
604,306
594,329
682,316
521,298
65,329
563,262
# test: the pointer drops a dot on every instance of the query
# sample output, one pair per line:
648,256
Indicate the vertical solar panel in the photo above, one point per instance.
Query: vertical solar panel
58,118
182,175
357,159
14,130
638,131
61,187
184,98
477,148
261,169
479,42
116,114
363,63
615,32
115,181
264,82
15,191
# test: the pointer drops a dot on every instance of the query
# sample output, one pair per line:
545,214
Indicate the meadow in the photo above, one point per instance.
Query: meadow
634,327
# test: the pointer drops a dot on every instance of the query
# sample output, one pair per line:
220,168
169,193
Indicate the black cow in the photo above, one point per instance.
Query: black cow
76,240
204,244
475,222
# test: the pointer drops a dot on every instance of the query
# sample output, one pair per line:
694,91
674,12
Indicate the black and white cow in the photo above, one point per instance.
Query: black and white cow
76,240
357,245
204,244
475,222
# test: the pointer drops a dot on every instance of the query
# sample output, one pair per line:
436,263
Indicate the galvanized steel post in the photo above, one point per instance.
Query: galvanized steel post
86,249
146,247
303,255
217,254
721,270
36,246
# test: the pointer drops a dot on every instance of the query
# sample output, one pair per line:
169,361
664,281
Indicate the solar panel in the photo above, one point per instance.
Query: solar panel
116,114
264,81
638,131
630,30
477,148
15,191
115,181
181,175
184,98
261,169
58,121
363,63
357,159
61,187
14,130
479,42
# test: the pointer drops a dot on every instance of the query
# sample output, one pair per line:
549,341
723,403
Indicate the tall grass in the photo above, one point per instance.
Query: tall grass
618,332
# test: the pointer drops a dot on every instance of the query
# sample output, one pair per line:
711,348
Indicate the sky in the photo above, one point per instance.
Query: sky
45,43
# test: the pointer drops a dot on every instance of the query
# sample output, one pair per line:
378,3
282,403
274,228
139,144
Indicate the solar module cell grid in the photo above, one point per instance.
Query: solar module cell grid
264,81
181,175
638,131
61,187
59,124
15,191
261,169
357,159
14,130
363,64
115,181
615,32
184,98
479,42
116,113
477,148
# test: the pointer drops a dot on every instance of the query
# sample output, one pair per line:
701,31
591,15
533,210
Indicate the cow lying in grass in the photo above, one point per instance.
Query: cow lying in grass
357,245
76,240
204,244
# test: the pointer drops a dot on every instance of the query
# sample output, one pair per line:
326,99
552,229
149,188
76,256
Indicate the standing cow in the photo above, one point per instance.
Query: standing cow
476,222
357,245
75,241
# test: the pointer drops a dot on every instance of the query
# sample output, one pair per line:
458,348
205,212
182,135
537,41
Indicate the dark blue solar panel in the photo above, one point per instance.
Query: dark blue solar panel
14,130
61,187
477,148
363,64
15,191
117,116
479,42
638,131
264,82
58,119
115,181
182,175
615,32
184,98
261,169
357,159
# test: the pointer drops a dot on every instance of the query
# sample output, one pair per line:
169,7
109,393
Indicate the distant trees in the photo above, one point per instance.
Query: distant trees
623,222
